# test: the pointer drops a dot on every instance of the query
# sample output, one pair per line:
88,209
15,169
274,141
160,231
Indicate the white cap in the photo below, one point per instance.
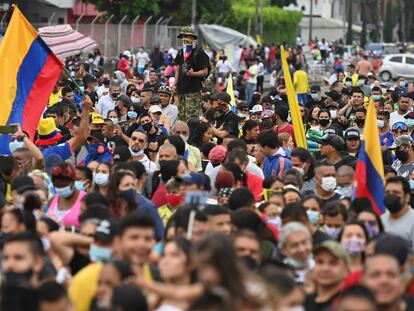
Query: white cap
127,53
154,109
257,109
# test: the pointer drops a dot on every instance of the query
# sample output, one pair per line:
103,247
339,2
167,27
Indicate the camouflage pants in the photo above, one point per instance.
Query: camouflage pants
189,106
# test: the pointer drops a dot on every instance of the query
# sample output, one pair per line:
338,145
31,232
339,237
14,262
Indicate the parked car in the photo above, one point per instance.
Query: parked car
397,65
381,49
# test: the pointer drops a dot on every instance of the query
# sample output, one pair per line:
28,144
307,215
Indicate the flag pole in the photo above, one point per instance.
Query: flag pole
74,81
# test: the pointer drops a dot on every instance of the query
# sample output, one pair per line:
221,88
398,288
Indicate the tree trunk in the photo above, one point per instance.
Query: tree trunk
349,34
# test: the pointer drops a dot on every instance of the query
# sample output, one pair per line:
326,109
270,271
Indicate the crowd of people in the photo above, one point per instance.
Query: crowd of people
147,188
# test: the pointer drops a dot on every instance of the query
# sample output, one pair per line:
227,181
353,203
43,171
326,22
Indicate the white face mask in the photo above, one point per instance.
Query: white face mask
135,100
380,123
328,183
299,169
276,221
314,96
184,138
345,191
136,153
333,114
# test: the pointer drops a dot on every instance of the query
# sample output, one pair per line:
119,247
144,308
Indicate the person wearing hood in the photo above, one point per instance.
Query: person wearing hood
124,64
120,78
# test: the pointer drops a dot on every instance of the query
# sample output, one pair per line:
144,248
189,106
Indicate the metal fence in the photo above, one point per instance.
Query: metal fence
112,39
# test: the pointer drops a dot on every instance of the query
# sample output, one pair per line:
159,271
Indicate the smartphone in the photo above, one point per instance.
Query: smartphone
8,129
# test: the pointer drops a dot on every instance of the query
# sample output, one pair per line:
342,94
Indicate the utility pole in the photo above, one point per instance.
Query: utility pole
261,18
193,15
310,20
256,25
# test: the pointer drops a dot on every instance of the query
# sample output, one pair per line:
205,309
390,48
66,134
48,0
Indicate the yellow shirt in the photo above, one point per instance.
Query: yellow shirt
165,213
54,98
354,78
300,81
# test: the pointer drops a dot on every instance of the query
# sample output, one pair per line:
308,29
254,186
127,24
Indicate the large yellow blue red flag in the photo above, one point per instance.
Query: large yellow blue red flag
369,173
297,123
229,90
28,72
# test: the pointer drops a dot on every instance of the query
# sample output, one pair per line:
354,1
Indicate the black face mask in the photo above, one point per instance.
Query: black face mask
393,203
147,126
267,124
360,122
401,155
115,95
323,122
284,98
18,278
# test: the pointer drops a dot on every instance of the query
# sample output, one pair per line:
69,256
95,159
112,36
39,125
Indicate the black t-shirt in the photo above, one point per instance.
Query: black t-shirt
78,262
116,141
153,87
311,305
335,197
197,60
230,122
93,96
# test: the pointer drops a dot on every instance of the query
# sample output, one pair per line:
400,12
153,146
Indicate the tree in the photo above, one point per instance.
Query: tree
363,41
281,3
120,8
389,23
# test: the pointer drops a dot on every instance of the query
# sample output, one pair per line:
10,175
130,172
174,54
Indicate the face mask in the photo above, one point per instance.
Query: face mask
361,82
344,191
96,88
354,246
348,83
383,91
376,97
295,263
333,114
323,122
15,144
409,122
97,253
313,217
135,100
360,122
114,120
401,155
101,179
393,203
136,154
185,138
380,123
128,195
402,83
314,96
333,232
116,81
299,169
328,183
64,192
132,114
276,221
173,199
17,278
147,126
79,185
411,183
372,230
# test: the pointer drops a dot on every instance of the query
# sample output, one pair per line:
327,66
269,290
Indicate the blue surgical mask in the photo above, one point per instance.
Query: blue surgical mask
409,122
333,232
361,82
114,120
314,96
344,191
64,192
101,179
79,185
313,216
376,97
348,83
402,83
411,183
96,88
15,144
97,253
132,114
380,123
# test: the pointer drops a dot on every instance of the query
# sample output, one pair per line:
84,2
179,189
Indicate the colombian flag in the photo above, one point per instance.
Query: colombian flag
28,72
369,173
298,128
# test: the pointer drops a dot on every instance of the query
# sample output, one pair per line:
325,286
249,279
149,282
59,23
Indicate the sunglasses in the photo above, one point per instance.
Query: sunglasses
399,126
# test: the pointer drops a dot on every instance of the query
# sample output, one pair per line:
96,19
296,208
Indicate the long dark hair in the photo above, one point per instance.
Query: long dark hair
196,136
250,124
114,199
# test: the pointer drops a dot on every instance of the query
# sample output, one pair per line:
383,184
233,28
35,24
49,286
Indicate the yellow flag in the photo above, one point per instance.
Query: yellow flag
258,40
229,91
298,128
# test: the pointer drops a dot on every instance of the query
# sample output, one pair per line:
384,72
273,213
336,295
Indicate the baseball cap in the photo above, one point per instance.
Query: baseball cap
22,183
217,155
155,109
332,104
96,118
242,105
334,95
315,89
98,136
121,154
223,96
352,132
334,248
402,140
155,99
333,140
257,109
267,114
126,101
192,178
105,231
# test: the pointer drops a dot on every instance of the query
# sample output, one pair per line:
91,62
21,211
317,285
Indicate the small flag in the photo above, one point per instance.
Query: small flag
229,91
369,174
297,123
187,51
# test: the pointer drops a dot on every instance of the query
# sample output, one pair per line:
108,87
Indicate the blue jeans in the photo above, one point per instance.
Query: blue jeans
250,88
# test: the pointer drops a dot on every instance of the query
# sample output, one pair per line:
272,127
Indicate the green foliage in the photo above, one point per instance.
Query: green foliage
278,25
389,23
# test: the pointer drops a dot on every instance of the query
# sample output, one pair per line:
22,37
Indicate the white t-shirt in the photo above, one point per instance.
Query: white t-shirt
261,69
142,59
253,70
173,52
396,117
223,66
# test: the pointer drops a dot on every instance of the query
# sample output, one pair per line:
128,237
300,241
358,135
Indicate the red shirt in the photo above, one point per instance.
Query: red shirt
287,129
255,185
272,53
123,65
159,198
